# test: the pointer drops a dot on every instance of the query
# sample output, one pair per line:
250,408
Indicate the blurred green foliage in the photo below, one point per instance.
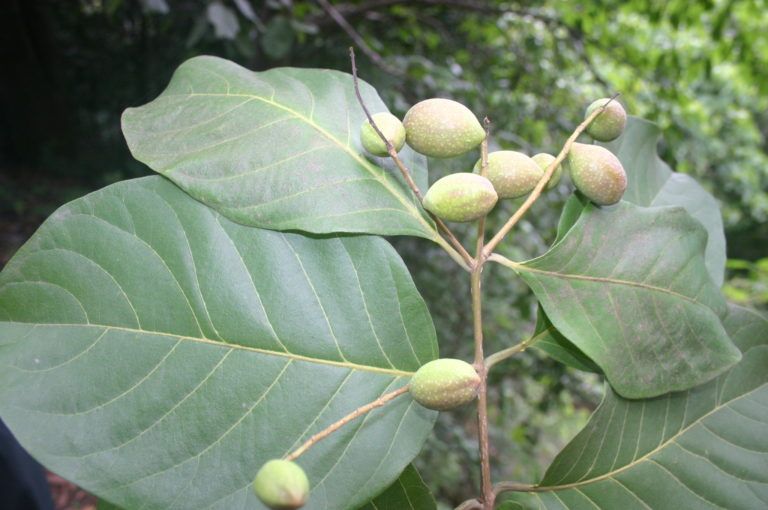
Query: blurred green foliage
698,68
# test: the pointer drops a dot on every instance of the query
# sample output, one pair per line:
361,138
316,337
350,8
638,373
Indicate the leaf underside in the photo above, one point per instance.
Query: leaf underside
548,339
157,354
627,285
278,149
706,447
651,183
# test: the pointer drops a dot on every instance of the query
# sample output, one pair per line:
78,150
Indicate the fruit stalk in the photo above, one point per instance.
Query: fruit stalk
463,253
488,496
379,402
489,247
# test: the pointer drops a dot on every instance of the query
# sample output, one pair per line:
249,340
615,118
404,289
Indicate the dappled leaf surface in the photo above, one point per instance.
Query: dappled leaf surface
651,183
706,447
278,149
157,354
628,286
409,492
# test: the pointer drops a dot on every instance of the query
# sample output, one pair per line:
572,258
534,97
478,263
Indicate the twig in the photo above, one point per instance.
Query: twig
503,354
470,504
488,496
334,13
468,262
543,182
379,402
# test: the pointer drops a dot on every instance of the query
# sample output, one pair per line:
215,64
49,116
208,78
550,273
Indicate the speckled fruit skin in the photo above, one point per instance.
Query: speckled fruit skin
441,128
460,197
281,485
445,384
597,173
512,173
608,125
390,127
544,160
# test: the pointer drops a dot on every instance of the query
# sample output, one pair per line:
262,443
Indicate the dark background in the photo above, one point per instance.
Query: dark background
697,68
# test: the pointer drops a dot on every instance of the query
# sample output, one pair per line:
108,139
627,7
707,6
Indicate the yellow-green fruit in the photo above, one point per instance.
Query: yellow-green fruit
392,129
281,485
512,173
460,197
608,125
597,173
445,384
442,128
544,160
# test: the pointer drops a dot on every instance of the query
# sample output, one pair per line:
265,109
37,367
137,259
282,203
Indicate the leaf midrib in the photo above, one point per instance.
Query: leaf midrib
355,156
661,446
226,345
595,279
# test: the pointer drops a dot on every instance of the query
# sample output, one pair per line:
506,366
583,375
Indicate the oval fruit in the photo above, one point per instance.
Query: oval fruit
445,384
608,125
392,129
512,173
442,128
460,197
544,160
597,173
281,485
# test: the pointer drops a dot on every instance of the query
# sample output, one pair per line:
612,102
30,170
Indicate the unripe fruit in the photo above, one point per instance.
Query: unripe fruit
608,125
281,485
544,160
512,173
597,173
445,384
442,128
460,197
392,129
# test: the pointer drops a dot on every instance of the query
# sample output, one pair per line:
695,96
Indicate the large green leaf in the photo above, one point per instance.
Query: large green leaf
652,183
702,448
157,354
278,149
409,492
628,286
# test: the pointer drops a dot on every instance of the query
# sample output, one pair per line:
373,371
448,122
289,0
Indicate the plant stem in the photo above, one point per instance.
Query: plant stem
442,227
543,182
503,354
487,498
514,487
470,504
379,402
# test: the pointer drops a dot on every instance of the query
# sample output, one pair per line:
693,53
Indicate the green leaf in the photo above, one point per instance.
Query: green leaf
157,354
278,150
701,448
628,286
651,183
549,340
409,492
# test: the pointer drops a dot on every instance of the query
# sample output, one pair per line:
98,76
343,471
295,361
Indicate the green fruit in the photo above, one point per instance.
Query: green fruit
460,197
608,125
445,384
390,126
544,160
281,485
597,173
512,173
442,128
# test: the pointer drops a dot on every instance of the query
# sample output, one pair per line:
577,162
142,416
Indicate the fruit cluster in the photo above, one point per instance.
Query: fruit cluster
441,128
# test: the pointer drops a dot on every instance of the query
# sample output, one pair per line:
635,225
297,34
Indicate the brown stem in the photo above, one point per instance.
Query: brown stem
487,498
543,182
336,16
348,418
470,504
464,254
